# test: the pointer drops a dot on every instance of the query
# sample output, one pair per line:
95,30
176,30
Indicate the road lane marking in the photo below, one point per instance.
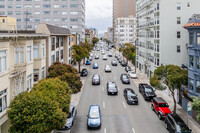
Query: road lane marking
104,130
102,89
133,130
104,105
124,105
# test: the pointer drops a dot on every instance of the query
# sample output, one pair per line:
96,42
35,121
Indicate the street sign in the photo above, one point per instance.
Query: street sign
189,107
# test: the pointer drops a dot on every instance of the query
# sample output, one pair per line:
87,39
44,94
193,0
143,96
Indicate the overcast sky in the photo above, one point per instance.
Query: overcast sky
99,14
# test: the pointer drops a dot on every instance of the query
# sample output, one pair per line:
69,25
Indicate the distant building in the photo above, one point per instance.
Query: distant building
193,27
95,31
122,9
8,23
63,13
89,34
125,30
161,39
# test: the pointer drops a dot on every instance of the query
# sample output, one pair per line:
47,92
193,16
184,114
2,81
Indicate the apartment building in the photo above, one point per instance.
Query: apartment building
63,13
122,8
22,63
8,23
108,34
125,30
89,34
161,38
57,43
193,27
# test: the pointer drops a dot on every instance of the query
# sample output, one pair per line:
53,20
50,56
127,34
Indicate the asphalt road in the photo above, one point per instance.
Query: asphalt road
118,116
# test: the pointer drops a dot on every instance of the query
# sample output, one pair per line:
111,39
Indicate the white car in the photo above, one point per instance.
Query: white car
131,74
91,54
105,57
107,68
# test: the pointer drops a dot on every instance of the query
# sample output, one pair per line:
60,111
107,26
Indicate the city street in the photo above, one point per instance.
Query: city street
118,116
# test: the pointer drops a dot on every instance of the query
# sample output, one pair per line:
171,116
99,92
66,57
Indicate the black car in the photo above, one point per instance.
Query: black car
130,96
96,79
127,68
147,91
84,72
114,63
174,124
112,88
70,118
116,55
120,60
125,79
124,63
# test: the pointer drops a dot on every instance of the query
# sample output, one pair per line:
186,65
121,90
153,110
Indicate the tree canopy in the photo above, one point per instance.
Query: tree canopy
196,106
173,76
128,51
95,40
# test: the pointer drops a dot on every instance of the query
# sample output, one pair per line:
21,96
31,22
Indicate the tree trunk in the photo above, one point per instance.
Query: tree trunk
79,66
173,100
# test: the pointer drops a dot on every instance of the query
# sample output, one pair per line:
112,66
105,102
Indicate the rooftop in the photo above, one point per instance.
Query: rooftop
194,22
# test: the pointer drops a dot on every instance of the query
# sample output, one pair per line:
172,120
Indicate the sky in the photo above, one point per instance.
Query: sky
99,14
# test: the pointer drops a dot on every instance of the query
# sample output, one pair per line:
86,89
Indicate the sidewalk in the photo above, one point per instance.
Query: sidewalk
142,78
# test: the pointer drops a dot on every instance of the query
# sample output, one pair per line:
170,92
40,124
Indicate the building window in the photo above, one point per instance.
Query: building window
191,61
43,50
3,61
178,34
52,58
178,49
178,20
188,4
158,62
57,42
198,38
3,100
19,85
29,82
61,54
36,75
36,51
29,57
178,6
191,84
158,34
43,73
57,56
19,55
198,62
198,86
191,38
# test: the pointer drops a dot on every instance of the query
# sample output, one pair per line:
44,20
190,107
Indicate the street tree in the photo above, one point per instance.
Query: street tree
73,80
58,69
172,76
57,90
95,40
196,106
78,54
34,112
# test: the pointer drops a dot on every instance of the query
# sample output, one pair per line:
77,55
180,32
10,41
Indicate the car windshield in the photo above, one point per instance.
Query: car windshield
69,115
130,93
96,77
95,64
94,114
132,73
148,90
112,85
125,76
182,127
163,105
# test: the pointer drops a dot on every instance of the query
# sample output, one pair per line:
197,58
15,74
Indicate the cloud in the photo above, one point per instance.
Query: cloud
99,14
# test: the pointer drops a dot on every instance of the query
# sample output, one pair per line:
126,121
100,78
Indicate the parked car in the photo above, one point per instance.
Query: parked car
174,124
70,118
120,60
132,74
90,58
130,96
125,79
127,68
147,91
98,49
84,72
107,68
96,57
161,107
112,88
105,57
95,66
124,63
94,117
118,57
109,54
88,62
114,63
91,54
96,79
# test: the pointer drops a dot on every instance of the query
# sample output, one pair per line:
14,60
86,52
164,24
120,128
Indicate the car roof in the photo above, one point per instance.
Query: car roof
110,82
94,107
159,100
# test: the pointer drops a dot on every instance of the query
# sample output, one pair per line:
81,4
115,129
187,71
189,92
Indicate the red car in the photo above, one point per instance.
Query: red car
160,106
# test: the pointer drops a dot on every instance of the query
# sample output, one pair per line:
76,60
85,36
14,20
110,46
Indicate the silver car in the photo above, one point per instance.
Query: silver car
108,68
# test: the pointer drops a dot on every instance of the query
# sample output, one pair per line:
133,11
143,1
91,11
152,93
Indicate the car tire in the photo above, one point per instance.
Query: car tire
159,116
152,107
